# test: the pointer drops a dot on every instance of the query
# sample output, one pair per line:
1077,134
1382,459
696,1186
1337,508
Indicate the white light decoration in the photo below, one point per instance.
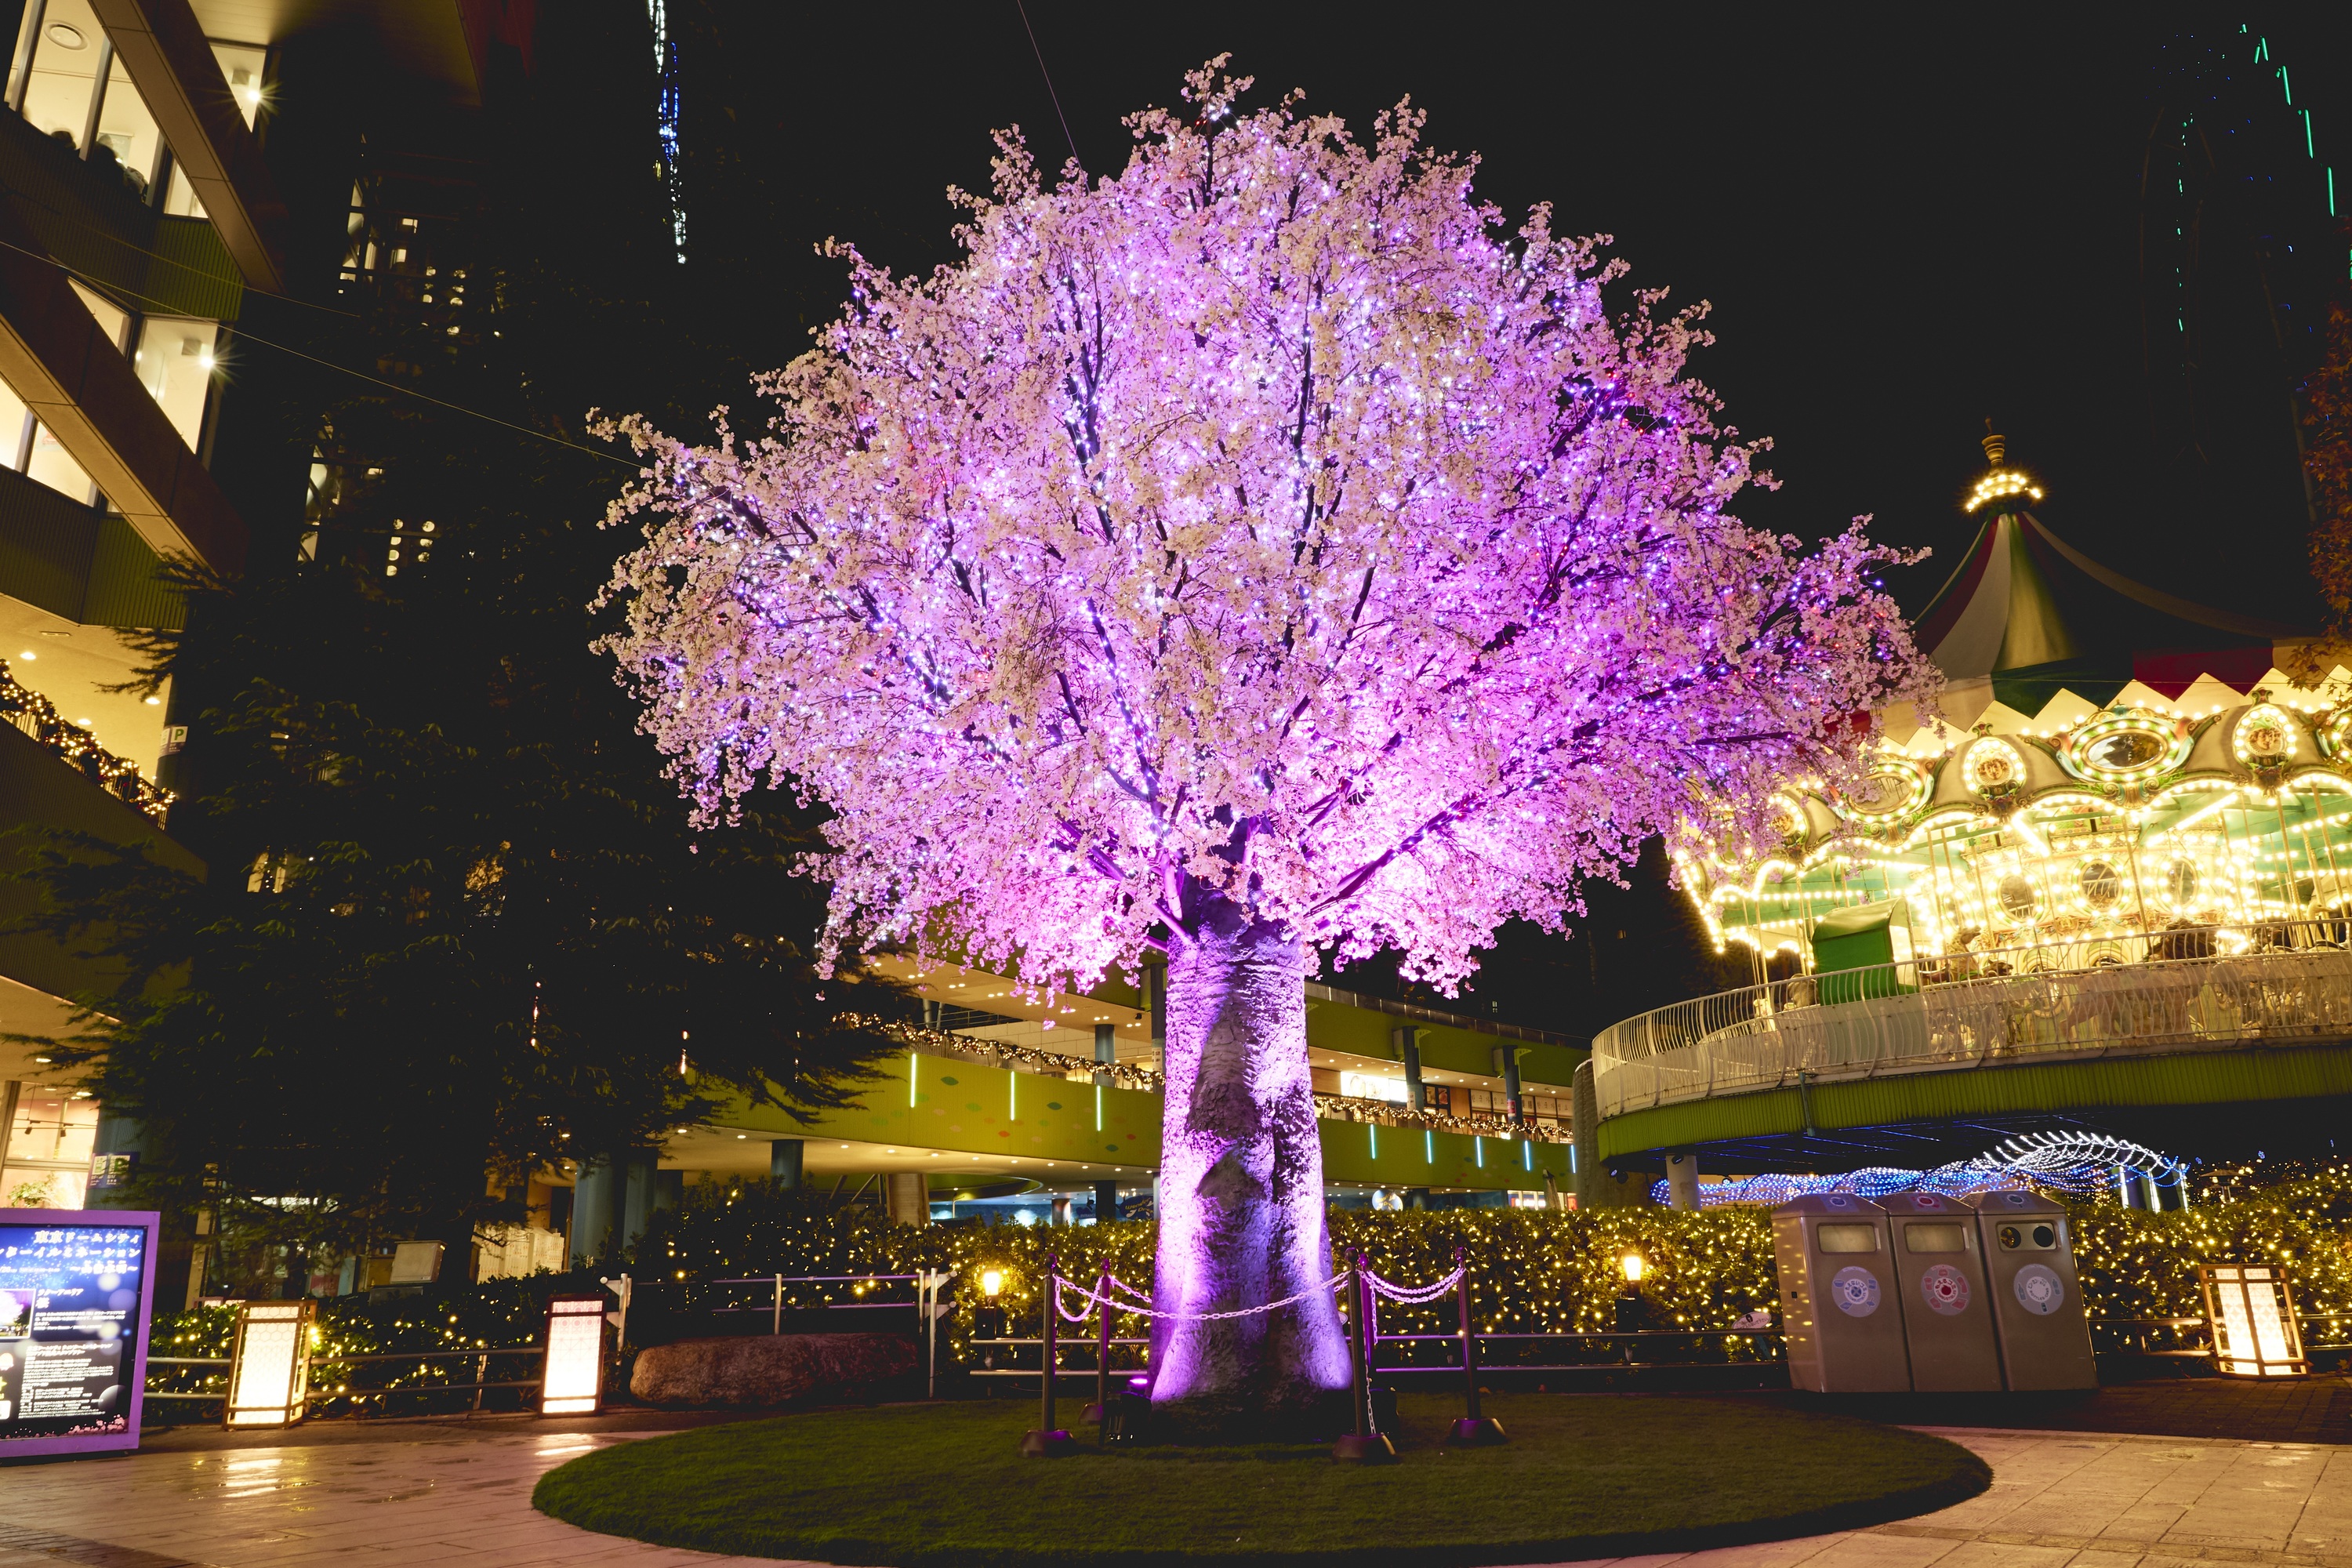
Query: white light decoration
1894,789
269,1366
2000,485
2095,846
572,1379
2263,736
1992,768
2126,747
2251,1311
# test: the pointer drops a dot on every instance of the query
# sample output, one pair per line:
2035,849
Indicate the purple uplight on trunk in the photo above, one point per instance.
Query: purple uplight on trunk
1241,1182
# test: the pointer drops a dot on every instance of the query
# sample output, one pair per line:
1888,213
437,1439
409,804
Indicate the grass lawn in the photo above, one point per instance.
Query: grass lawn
1583,1476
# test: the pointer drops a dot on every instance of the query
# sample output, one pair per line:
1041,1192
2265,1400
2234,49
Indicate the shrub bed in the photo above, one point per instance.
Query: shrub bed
1533,1270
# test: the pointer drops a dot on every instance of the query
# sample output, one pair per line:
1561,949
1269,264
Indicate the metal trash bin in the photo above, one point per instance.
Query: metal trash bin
1837,1296
2036,1298
1947,1316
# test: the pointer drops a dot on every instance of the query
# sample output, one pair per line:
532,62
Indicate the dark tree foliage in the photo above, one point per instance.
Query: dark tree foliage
2328,463
457,924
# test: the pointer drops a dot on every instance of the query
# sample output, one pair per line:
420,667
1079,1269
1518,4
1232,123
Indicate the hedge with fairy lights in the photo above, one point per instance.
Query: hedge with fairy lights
497,1314
1532,1270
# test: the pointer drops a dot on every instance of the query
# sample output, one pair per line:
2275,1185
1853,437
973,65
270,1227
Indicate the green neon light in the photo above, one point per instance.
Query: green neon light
1527,1153
1097,1107
911,1061
1479,1145
1011,1095
1374,1129
2307,135
1429,1148
2288,85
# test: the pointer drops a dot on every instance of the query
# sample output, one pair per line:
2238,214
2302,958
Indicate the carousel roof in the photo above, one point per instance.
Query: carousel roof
2026,616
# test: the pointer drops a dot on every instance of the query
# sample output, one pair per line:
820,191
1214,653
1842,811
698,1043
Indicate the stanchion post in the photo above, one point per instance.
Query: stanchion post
1100,1411
1474,1430
1047,1442
1053,1316
1363,1446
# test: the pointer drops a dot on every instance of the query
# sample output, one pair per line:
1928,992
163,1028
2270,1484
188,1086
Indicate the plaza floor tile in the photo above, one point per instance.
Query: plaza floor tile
2059,1500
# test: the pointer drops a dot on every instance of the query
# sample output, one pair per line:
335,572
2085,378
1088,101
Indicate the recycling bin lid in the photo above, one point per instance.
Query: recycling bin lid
1850,1203
2015,1200
1923,1203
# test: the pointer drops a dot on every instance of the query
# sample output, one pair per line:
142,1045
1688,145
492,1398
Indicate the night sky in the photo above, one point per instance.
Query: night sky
1902,230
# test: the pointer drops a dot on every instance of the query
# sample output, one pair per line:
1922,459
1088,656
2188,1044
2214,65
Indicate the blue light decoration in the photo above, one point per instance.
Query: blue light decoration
666,121
2080,1164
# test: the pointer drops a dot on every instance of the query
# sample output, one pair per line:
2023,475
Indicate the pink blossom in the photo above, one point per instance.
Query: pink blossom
1269,519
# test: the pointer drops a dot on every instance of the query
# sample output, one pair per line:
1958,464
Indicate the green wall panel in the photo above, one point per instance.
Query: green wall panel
969,1108
2236,1074
126,587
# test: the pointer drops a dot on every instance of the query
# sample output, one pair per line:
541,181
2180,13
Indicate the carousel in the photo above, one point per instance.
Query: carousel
2117,775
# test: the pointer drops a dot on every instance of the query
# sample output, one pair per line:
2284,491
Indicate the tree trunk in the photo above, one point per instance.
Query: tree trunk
1242,1218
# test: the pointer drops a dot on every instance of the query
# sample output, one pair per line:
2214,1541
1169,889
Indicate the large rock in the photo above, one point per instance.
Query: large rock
773,1369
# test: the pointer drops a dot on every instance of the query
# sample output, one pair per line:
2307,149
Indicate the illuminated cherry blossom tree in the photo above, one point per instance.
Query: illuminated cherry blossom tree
1261,551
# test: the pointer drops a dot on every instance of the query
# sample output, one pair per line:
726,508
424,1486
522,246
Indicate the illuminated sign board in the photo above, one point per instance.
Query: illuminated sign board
74,1287
573,1382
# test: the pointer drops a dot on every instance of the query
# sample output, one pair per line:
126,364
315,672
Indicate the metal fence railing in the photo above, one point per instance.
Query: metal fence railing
2206,986
373,1385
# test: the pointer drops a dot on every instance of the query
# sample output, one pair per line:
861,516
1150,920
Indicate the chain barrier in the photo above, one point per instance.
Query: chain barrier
1414,1295
1192,1317
1407,1295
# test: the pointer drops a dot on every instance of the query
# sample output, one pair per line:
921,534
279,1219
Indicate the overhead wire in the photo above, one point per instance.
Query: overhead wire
238,283
1024,9
243,335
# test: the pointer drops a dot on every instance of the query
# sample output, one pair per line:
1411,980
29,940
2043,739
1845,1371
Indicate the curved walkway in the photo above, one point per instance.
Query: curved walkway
461,1495
1899,1042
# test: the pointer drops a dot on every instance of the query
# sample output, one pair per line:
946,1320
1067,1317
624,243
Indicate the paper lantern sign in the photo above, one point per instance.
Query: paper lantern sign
269,1366
2251,1312
571,1381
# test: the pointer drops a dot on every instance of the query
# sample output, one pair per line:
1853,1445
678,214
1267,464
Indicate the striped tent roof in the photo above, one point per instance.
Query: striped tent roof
2029,615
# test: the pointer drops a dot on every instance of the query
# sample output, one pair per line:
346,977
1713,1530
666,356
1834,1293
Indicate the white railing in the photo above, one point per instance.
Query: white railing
2191,989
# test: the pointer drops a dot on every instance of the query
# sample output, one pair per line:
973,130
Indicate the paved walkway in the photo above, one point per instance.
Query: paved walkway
463,1497
2280,1410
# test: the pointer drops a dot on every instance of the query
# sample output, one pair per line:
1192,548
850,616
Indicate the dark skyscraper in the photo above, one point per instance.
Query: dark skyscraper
2238,252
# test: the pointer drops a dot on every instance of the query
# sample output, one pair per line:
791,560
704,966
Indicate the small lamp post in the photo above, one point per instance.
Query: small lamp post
1629,1300
988,1317
2251,1311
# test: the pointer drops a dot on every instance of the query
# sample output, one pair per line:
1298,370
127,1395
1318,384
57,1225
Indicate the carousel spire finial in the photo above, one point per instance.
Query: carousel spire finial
2001,483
